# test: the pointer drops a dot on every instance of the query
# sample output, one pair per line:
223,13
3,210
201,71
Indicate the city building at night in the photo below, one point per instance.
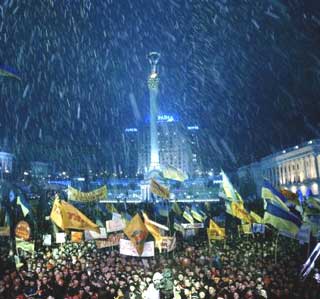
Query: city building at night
39,169
6,163
293,168
178,145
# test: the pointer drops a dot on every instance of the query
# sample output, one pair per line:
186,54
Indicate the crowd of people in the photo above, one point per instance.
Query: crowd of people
230,269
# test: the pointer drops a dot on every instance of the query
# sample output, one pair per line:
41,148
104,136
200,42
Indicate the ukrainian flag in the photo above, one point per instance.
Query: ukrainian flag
281,219
6,71
177,225
228,189
173,173
25,207
197,214
255,217
314,202
270,193
176,208
187,215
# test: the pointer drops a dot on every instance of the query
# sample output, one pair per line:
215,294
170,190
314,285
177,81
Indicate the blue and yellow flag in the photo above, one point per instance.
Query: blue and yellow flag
273,195
25,207
290,196
173,173
229,192
177,225
176,208
6,71
197,213
255,217
281,219
314,202
187,215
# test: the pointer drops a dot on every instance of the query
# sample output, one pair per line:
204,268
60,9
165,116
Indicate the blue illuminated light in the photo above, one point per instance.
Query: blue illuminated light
166,118
131,130
193,128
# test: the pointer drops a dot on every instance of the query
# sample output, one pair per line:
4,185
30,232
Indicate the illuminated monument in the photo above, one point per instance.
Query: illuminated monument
153,84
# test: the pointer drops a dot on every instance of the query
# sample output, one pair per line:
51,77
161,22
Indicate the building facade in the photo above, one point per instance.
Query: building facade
130,141
294,168
177,145
39,169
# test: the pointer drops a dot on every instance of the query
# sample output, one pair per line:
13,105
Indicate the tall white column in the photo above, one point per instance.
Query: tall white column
153,84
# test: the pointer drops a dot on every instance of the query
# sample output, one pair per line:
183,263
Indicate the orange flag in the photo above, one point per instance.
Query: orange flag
137,232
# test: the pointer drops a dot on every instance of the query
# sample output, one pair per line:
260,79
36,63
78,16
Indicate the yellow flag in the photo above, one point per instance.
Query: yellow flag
215,232
173,173
66,216
76,237
246,228
111,208
56,214
154,229
137,232
159,190
240,212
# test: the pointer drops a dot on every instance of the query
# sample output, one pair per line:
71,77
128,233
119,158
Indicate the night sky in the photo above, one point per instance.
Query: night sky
246,72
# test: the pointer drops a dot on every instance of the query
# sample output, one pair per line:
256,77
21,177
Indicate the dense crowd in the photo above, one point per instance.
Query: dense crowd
236,268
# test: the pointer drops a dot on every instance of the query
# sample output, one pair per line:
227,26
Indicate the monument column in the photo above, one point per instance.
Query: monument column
153,84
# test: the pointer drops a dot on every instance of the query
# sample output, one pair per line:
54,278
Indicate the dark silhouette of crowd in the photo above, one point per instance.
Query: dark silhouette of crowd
242,267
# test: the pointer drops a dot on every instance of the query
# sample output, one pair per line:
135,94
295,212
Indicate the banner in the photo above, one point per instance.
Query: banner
192,225
60,238
116,216
22,230
66,216
91,235
113,239
24,245
4,231
46,240
76,237
115,225
159,190
168,243
127,248
95,195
